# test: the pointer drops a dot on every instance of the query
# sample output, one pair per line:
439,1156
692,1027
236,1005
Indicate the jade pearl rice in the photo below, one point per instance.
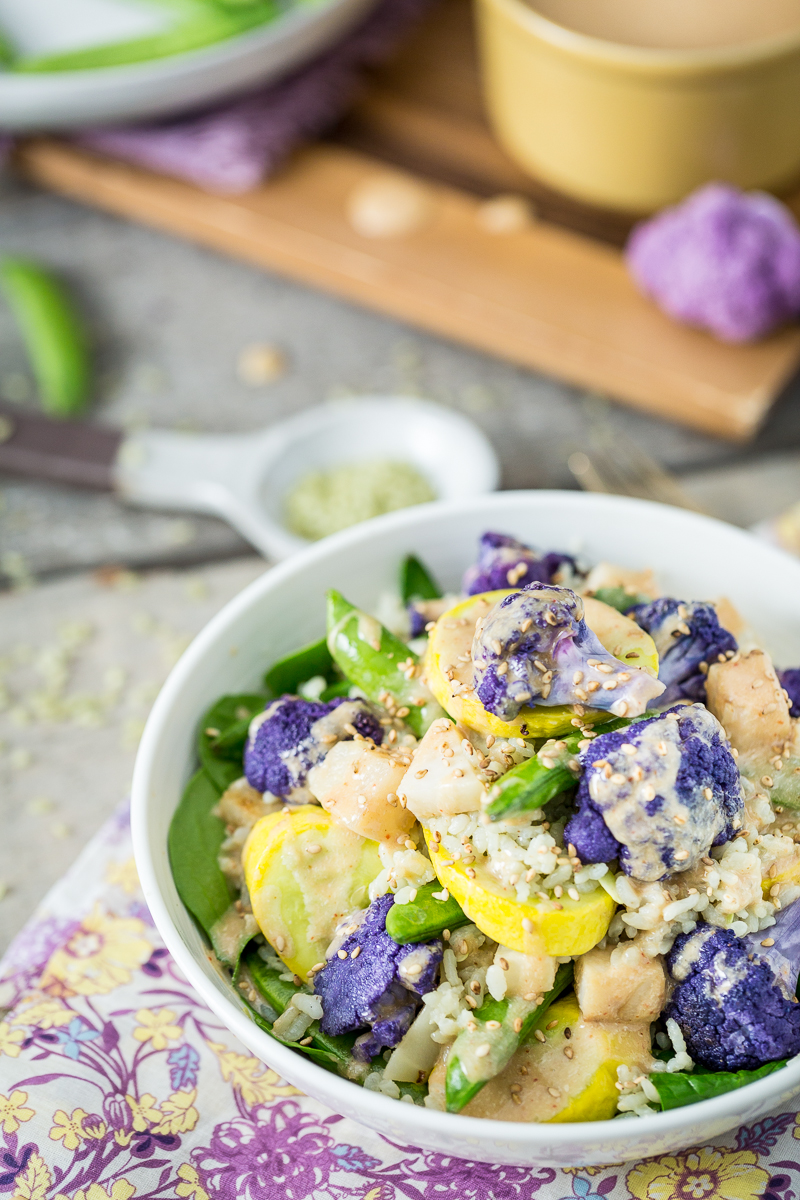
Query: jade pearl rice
326,501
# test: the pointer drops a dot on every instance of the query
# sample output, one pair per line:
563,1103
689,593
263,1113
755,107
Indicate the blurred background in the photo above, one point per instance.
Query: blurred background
365,222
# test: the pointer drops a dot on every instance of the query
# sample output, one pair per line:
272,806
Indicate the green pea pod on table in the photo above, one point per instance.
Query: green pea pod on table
676,1090
416,581
53,334
467,1072
425,917
379,663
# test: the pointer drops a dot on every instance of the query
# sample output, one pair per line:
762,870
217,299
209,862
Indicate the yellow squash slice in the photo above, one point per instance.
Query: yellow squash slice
304,874
449,676
562,928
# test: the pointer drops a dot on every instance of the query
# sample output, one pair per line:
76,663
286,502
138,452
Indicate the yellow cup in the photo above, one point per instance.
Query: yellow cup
635,127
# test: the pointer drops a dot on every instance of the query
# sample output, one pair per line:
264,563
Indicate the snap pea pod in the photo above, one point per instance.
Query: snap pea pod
425,917
618,598
676,1090
288,673
53,334
416,582
466,1072
278,994
203,25
531,784
371,657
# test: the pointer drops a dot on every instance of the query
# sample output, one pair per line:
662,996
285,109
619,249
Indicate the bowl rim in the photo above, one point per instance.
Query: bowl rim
648,60
406,1117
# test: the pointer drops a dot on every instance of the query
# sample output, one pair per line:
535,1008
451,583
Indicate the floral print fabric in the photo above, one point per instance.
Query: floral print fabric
117,1083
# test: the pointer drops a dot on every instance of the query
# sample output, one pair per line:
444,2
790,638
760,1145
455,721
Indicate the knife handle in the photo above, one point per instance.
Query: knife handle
71,452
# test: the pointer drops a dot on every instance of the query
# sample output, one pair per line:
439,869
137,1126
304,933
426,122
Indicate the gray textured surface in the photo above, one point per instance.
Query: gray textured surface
169,320
81,662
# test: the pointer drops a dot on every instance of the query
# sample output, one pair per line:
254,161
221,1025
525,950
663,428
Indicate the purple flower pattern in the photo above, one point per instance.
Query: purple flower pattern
116,1083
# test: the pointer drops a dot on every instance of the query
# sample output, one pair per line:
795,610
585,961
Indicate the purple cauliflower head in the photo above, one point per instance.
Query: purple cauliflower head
687,635
504,562
379,986
657,795
790,682
734,1012
723,260
534,647
291,736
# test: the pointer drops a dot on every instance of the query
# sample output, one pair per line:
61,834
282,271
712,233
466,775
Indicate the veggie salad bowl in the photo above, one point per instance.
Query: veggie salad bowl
499,855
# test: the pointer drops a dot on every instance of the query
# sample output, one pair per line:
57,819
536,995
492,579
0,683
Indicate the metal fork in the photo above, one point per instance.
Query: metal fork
614,463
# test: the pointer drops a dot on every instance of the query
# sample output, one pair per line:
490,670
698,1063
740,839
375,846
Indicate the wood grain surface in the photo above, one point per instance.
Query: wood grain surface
554,297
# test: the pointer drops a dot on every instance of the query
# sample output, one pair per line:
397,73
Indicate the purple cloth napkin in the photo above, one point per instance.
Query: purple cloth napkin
234,147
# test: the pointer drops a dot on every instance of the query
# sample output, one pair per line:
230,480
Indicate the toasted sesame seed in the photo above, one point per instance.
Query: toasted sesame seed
313,848
280,944
768,942
554,1092
517,1024
475,987
503,963
567,1032
569,1052
341,954
211,731
482,1050
537,1033
681,855
493,1025
421,774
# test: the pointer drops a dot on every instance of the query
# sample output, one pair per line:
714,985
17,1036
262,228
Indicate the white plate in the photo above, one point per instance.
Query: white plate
141,91
695,557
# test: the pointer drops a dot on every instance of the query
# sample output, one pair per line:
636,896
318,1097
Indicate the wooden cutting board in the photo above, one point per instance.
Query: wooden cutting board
555,297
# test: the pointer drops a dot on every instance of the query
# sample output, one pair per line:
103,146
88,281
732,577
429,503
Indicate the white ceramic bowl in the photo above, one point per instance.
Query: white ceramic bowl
142,91
695,557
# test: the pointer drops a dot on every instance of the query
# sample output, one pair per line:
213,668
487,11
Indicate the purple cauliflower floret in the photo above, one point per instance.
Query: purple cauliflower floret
534,647
504,562
380,986
734,1012
657,794
292,735
686,634
723,260
790,682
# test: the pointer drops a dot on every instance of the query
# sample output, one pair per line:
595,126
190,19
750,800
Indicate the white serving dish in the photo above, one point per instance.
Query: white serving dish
695,557
161,87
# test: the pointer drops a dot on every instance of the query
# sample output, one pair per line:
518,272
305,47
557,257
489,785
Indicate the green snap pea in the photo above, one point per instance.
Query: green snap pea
416,582
288,673
466,1073
618,598
425,917
532,784
371,658
676,1090
204,24
53,334
278,994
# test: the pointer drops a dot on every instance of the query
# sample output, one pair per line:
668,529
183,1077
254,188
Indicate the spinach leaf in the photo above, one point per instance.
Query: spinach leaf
223,733
288,673
676,1090
416,582
195,836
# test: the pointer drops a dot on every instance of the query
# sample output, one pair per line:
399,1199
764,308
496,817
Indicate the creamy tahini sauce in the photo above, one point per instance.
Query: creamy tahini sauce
623,799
